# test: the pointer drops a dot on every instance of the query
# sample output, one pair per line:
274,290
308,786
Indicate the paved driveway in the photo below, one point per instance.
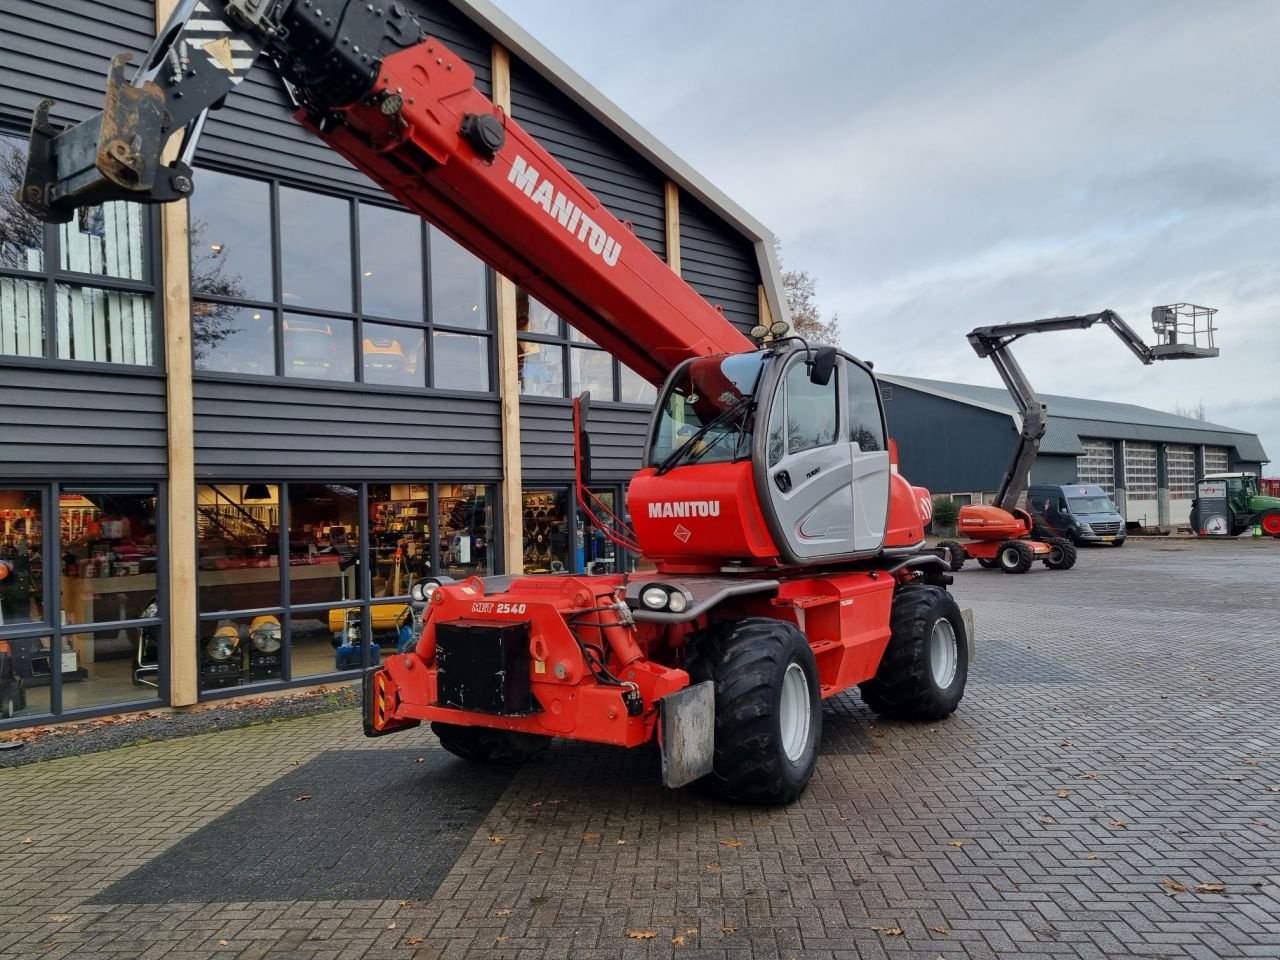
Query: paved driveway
1109,788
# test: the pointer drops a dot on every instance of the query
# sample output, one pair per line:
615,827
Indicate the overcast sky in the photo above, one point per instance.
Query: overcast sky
940,165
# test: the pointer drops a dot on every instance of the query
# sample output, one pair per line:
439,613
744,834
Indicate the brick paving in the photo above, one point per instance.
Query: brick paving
1118,746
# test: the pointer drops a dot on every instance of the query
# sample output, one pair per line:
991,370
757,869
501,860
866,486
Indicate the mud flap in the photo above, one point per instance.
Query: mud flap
686,733
377,703
967,616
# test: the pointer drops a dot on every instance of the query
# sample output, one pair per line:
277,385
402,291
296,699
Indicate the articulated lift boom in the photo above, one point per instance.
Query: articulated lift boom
787,560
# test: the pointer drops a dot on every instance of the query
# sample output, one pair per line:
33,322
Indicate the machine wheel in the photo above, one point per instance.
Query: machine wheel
1062,555
1015,556
1270,523
485,745
956,554
988,563
768,710
1119,543
7,709
926,665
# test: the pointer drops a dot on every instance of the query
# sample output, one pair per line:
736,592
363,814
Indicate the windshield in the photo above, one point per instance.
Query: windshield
1087,505
702,391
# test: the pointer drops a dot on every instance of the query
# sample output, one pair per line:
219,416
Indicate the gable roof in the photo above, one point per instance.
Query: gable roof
1071,418
556,72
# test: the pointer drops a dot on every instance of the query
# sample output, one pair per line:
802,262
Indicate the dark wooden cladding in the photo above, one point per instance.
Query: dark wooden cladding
719,263
546,441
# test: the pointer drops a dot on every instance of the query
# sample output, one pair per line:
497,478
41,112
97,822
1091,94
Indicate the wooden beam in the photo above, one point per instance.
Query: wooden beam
672,198
508,374
175,281
762,298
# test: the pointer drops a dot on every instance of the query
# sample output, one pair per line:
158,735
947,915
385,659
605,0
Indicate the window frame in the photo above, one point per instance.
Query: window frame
277,308
53,274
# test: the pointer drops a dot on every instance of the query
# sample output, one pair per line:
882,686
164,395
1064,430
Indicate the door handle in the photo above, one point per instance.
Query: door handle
783,479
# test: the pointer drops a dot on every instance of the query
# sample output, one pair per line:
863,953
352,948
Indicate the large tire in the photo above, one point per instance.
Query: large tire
768,707
924,669
988,563
1062,555
7,708
486,745
1015,556
1270,523
1119,543
955,554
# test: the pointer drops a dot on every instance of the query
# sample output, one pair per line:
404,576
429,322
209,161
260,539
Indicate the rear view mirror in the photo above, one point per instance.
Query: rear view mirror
822,366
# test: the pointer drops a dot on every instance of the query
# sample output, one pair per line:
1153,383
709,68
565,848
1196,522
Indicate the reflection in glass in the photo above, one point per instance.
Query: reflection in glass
390,263
239,546
324,537
466,522
21,565
461,362
105,326
393,355
21,235
22,326
25,665
576,337
459,286
541,369
318,348
108,556
592,371
104,666
635,388
233,339
534,317
315,250
107,241
231,237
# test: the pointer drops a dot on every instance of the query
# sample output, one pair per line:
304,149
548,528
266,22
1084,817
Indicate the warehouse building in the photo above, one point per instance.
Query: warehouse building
956,439
211,409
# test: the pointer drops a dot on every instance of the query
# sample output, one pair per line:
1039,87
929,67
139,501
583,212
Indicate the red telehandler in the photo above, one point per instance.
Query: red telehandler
786,548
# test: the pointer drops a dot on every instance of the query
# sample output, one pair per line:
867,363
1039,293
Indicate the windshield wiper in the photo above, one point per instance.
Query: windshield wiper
686,449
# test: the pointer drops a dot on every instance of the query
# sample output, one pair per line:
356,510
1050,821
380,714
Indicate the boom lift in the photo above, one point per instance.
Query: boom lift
787,548
1003,533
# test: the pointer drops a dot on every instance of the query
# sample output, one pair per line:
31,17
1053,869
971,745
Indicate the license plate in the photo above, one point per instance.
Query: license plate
1108,538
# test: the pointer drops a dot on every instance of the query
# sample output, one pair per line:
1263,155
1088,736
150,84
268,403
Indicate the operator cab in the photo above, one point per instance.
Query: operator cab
773,457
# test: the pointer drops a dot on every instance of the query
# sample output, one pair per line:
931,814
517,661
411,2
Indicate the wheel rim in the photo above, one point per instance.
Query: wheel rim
793,712
1056,554
1271,524
944,654
1010,557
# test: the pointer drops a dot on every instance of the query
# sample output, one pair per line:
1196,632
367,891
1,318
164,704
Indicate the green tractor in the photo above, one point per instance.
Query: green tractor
1229,504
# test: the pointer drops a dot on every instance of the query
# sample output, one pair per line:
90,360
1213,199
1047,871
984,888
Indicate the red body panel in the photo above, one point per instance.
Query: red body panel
989,526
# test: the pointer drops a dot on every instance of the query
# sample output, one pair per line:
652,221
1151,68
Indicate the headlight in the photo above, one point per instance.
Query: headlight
222,645
266,638
678,603
422,589
655,598
150,610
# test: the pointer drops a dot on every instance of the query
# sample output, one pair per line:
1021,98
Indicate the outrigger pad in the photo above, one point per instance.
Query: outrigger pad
686,733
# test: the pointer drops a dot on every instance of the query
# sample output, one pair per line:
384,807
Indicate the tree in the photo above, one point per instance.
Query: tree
806,320
1194,411
20,233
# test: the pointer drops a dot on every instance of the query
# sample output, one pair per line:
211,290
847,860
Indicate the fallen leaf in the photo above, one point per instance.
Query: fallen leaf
501,937
222,943
889,931
1091,856
591,836
414,941
60,917
1047,820
1063,794
1269,790
731,843
1172,886
504,912
1250,763
28,841
405,903
297,762
496,838
714,867
678,940
641,934
1086,776
301,797
1211,888
878,734
956,843
420,760
942,930
621,843
391,925
728,929
1120,824
1066,743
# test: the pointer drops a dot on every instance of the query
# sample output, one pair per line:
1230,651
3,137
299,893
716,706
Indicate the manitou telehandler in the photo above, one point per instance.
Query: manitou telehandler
1002,533
786,549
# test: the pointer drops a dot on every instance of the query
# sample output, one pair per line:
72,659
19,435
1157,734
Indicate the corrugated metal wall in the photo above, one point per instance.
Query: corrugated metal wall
948,446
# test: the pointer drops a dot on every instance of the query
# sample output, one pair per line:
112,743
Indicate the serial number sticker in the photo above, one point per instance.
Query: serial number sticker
487,606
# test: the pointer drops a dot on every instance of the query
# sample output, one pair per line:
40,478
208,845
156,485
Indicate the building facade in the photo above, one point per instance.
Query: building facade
957,438
235,429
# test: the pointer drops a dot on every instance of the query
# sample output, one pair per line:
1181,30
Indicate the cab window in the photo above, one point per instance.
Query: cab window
811,410
866,429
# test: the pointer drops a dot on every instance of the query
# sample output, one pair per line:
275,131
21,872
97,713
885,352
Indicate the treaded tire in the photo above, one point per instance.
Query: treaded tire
988,564
748,661
1119,543
486,745
1062,555
1269,522
905,687
956,554
1015,556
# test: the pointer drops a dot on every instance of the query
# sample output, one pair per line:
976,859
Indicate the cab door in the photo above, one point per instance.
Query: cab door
864,429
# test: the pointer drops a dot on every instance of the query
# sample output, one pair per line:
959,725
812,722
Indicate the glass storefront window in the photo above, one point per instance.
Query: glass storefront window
315,250
25,677
461,361
21,235
106,326
324,641
231,237
235,650
108,555
239,546
390,263
318,348
392,355
324,540
534,317
233,339
635,388
21,557
592,371
540,368
546,531
400,536
466,529
22,324
107,241
459,286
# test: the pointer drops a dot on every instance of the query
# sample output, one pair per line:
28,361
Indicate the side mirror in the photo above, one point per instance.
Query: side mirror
824,364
